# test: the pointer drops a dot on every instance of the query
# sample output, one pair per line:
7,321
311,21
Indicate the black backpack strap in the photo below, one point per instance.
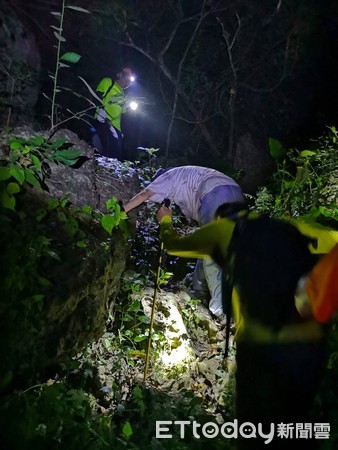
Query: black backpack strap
228,279
108,90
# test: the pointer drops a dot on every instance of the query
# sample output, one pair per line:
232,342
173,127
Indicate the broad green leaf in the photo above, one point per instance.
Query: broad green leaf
111,203
6,200
17,173
108,223
127,430
78,8
68,153
135,306
13,188
57,143
144,319
306,153
53,203
37,298
87,209
71,226
37,140
31,178
44,281
62,217
5,379
15,145
59,37
276,149
36,162
81,244
66,162
71,57
4,173
140,338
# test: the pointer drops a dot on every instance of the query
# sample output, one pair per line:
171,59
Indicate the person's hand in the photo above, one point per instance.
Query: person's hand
163,211
113,132
101,117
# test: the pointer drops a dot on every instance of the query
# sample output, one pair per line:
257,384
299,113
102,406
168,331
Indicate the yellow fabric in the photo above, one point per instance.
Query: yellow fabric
322,287
327,238
114,102
217,235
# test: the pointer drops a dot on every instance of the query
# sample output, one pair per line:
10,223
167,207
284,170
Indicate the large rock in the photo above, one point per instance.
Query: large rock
255,164
65,256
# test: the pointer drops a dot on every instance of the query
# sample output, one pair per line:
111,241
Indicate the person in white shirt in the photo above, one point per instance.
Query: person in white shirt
198,191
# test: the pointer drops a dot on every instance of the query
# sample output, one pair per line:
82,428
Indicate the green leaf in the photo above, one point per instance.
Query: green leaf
37,140
78,8
31,178
276,149
63,65
71,57
67,154
62,216
140,338
81,244
17,173
4,173
108,222
6,200
44,281
36,162
15,145
87,209
13,188
57,143
306,153
37,298
127,430
135,306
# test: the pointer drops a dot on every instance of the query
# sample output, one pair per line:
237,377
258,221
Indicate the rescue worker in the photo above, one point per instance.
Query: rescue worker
198,191
280,355
107,136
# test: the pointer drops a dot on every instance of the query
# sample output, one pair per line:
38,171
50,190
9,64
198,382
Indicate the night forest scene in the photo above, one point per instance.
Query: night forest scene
105,340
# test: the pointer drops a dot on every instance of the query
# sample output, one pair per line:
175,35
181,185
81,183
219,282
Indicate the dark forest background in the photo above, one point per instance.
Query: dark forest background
215,79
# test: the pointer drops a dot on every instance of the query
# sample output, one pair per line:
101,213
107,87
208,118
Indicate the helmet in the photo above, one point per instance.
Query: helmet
125,72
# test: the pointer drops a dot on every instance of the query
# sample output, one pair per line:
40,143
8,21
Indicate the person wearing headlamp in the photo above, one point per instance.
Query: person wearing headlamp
108,137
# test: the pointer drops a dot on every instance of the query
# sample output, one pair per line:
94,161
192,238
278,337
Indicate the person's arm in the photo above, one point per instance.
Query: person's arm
199,244
138,199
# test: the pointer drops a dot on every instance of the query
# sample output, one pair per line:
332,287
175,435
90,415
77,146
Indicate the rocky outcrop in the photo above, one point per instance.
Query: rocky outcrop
256,166
74,273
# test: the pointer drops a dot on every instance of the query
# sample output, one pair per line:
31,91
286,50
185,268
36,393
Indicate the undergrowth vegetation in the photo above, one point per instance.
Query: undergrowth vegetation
95,398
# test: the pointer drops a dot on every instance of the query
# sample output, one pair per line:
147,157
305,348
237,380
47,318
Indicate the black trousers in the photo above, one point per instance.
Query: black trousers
277,383
105,142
